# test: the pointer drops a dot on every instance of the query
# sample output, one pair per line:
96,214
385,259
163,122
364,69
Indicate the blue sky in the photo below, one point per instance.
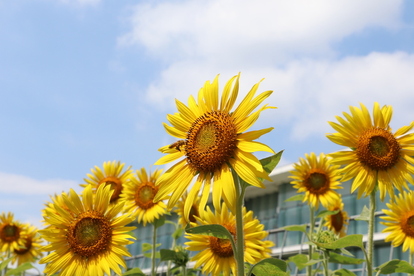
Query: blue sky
88,81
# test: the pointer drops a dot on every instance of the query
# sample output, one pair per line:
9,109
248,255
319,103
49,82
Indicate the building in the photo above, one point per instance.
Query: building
270,207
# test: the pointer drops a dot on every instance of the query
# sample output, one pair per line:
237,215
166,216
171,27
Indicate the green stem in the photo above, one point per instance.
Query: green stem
172,248
239,252
371,224
184,270
410,260
154,244
311,229
326,263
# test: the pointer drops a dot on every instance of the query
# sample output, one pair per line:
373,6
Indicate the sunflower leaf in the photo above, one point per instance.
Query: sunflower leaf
215,230
134,272
298,197
395,266
341,259
343,272
325,213
302,261
168,255
269,266
364,214
4,263
269,163
18,270
301,228
159,222
177,233
347,241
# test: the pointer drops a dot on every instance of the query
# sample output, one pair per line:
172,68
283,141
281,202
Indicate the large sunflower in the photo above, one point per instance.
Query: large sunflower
339,221
89,240
11,233
216,255
213,141
400,221
30,251
377,154
194,211
112,175
138,196
318,179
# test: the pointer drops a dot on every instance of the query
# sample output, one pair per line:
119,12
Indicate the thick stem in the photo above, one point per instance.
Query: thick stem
154,244
326,263
311,229
371,225
410,259
239,252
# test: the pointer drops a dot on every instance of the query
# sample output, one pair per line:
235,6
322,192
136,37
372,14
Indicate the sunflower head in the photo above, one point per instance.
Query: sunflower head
138,196
213,140
216,255
112,175
30,251
337,222
194,211
399,221
89,240
317,178
11,233
378,155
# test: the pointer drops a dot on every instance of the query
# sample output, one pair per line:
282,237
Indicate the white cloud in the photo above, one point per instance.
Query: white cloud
19,184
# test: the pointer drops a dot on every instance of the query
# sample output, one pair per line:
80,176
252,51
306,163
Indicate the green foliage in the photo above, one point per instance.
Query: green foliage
269,163
159,222
341,259
215,230
298,197
302,261
364,214
325,213
343,272
269,266
20,269
4,264
395,266
134,272
347,241
301,228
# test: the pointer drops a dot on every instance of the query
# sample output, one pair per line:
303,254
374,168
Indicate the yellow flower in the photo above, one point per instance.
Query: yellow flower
400,221
194,211
111,175
30,251
138,196
377,153
11,233
213,141
89,240
339,221
216,255
318,179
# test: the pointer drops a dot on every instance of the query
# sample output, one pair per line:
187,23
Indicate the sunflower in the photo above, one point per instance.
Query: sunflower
194,211
11,233
30,251
216,255
111,175
91,239
138,195
213,142
377,155
400,221
338,221
317,178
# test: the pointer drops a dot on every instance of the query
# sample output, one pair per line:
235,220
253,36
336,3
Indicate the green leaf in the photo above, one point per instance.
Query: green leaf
18,270
301,261
341,259
347,241
215,230
301,228
134,272
146,246
149,255
298,197
159,222
5,263
168,255
343,272
325,213
269,266
177,233
270,163
364,214
395,266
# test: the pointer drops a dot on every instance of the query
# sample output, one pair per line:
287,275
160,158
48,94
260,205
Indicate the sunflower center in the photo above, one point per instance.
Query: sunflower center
90,235
222,247
193,213
27,247
145,194
337,221
211,141
116,186
317,182
378,149
10,233
407,225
